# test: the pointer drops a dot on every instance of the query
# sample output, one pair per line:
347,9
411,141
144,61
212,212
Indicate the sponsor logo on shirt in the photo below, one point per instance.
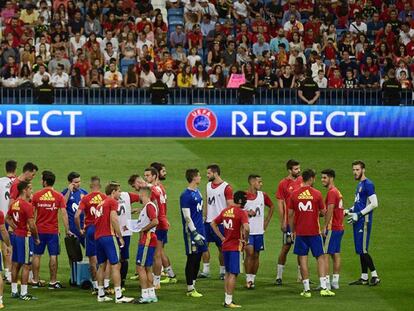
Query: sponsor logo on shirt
96,199
47,197
229,213
305,195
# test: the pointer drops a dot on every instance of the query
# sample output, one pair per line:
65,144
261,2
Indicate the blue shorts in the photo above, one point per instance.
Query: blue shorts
211,236
285,236
90,241
232,261
162,235
49,240
312,242
107,249
145,255
191,247
257,241
362,234
332,242
124,251
22,250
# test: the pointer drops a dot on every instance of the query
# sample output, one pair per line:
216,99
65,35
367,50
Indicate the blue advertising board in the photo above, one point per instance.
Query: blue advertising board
205,121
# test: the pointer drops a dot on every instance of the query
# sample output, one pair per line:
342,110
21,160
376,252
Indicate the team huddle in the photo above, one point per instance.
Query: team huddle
102,222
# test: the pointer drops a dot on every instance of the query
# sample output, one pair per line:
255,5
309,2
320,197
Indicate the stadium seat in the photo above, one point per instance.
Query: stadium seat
175,12
125,63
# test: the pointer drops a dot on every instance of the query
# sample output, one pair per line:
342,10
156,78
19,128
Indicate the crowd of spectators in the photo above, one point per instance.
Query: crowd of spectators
266,43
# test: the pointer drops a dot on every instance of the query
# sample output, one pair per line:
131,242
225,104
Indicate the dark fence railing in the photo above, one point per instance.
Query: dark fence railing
207,96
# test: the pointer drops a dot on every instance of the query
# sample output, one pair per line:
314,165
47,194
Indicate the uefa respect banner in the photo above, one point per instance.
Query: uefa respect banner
205,121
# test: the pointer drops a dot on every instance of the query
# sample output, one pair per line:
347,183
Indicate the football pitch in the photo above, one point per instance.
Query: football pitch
389,165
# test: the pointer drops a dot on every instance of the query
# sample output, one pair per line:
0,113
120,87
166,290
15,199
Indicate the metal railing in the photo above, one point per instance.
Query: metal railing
193,96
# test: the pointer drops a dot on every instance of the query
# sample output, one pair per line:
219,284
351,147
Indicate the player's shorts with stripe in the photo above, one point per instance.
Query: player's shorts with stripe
90,241
162,235
145,255
211,236
22,250
191,247
257,241
107,249
332,241
232,261
362,234
286,237
49,240
124,251
304,243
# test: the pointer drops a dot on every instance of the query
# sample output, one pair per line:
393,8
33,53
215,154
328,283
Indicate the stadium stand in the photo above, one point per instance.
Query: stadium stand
214,44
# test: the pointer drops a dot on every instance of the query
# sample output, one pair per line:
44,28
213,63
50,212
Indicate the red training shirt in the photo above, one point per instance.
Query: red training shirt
149,238
88,205
46,202
334,197
20,211
284,190
103,226
158,195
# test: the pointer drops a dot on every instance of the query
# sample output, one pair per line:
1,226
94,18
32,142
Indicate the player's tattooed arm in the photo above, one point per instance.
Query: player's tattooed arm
5,235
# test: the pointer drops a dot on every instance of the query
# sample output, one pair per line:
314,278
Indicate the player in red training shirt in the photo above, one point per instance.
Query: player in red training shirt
47,202
147,223
334,228
87,206
236,235
151,177
305,205
106,227
6,241
29,173
163,224
286,186
20,218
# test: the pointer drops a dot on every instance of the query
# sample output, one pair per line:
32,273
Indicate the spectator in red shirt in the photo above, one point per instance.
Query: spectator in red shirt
195,38
335,81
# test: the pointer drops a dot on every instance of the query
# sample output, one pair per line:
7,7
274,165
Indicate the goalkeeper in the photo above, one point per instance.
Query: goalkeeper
191,203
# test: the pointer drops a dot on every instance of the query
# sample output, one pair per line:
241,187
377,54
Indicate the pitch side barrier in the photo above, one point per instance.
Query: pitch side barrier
250,121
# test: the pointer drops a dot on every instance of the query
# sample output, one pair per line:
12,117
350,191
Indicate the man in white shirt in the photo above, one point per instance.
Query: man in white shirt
358,26
60,78
37,78
240,9
113,78
406,33
320,80
168,77
192,8
287,27
76,42
109,38
208,8
142,40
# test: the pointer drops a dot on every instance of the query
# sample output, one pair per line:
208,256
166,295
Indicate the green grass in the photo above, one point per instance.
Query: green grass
389,165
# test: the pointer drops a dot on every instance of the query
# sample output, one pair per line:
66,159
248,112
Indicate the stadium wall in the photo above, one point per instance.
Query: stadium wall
205,121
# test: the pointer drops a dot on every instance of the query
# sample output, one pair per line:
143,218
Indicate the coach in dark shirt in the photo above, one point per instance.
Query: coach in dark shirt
44,93
308,91
391,90
159,93
246,93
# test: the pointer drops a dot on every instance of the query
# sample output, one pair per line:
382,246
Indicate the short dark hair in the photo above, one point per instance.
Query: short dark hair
251,177
191,173
22,186
239,197
330,172
214,168
153,170
111,187
308,174
95,178
359,162
132,179
157,165
11,166
72,176
291,163
30,167
49,178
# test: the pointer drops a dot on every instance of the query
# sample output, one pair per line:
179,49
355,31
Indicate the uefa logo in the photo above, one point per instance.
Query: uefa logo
201,123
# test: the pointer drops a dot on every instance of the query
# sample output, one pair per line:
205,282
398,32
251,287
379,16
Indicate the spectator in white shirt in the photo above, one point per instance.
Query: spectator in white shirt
168,77
200,79
110,53
208,8
109,38
192,8
193,57
113,78
37,78
42,41
77,42
287,27
147,77
240,9
60,78
142,40
358,26
320,80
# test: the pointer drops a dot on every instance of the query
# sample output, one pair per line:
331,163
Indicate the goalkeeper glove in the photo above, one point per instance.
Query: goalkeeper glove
198,238
354,217
348,211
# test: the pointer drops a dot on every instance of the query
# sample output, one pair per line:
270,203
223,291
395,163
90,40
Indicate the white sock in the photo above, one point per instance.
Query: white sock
14,289
222,270
253,276
228,299
248,278
322,281
299,273
101,291
328,282
190,288
157,279
206,268
170,272
1,299
151,292
106,283
8,274
374,274
364,276
95,284
306,285
23,290
280,269
145,293
118,292
335,278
